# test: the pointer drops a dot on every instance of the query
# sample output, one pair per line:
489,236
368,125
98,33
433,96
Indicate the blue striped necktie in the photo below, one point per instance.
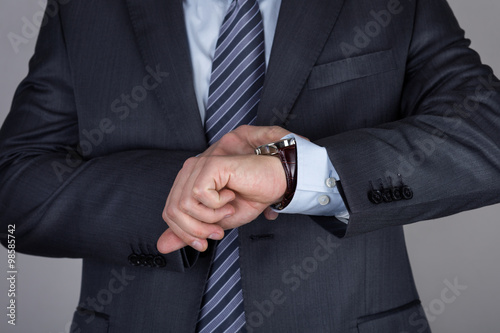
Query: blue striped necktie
235,86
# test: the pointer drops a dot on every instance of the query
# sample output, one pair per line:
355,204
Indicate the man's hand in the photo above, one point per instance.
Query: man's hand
244,139
214,191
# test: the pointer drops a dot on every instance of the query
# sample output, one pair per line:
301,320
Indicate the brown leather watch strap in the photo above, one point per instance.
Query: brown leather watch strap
288,157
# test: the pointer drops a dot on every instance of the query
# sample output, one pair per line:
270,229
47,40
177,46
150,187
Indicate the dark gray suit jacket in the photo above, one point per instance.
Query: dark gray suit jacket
107,115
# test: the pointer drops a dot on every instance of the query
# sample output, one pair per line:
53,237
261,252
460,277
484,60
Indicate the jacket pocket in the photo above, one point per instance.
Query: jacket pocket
351,68
89,321
409,318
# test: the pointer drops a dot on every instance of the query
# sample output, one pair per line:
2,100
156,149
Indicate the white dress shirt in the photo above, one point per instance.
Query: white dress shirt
316,192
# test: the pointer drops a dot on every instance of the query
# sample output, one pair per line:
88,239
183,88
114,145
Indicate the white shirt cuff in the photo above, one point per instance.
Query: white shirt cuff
316,192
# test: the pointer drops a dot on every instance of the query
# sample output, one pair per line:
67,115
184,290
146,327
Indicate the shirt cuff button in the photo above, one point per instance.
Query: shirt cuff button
331,182
323,200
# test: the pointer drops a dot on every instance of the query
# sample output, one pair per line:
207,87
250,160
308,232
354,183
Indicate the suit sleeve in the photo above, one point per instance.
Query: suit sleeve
445,147
63,205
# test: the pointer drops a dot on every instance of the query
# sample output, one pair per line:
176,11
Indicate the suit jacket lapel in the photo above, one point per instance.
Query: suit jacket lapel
303,29
162,40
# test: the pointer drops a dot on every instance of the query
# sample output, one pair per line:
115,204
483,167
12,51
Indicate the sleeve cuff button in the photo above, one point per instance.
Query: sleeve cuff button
331,182
324,200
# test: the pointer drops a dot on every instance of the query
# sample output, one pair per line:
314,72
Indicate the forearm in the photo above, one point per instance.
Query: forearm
66,199
447,152
445,145
108,207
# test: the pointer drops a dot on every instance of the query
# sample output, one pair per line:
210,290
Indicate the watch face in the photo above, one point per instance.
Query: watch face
274,147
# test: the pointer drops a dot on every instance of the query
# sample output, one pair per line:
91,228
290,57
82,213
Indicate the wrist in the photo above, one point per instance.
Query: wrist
288,159
286,153
279,179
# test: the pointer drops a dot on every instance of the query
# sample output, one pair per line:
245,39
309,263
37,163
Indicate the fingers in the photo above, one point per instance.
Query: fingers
211,199
169,242
256,136
270,214
207,200
201,203
189,219
206,213
191,231
244,139
230,144
245,212
206,197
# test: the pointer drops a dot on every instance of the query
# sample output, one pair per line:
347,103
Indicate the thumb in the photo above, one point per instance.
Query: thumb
169,242
270,214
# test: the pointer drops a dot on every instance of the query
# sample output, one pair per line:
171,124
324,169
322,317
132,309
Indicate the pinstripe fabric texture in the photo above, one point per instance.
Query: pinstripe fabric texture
235,86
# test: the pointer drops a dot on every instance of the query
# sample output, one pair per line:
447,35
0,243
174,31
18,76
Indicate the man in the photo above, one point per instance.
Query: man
371,81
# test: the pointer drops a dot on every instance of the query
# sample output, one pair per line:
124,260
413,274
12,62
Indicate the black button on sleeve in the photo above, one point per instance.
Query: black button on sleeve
375,196
407,192
134,260
387,195
149,260
396,194
159,261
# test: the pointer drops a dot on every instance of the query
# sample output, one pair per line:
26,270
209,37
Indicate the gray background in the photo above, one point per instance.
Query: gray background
462,247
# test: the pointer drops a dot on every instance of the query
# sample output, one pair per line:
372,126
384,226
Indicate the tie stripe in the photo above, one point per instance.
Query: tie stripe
235,25
236,101
245,65
230,289
237,71
223,299
226,316
236,82
222,289
235,43
220,77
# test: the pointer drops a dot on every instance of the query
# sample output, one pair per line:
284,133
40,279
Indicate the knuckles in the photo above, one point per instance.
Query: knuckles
190,233
275,132
185,205
199,233
198,193
243,128
169,213
228,139
190,162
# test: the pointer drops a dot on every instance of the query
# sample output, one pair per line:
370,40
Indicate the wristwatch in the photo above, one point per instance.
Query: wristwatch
286,151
